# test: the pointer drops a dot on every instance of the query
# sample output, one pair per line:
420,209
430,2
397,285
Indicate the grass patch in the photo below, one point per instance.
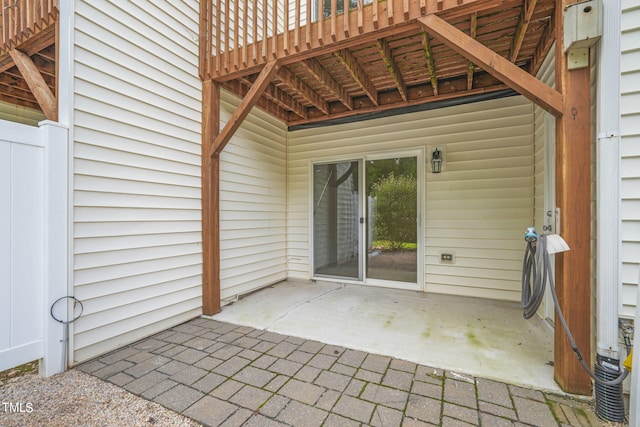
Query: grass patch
18,371
385,245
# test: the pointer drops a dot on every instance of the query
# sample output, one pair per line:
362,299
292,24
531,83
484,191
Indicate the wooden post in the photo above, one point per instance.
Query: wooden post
573,197
210,199
213,142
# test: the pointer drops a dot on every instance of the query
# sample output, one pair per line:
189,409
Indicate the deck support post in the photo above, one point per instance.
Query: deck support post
573,198
210,199
213,142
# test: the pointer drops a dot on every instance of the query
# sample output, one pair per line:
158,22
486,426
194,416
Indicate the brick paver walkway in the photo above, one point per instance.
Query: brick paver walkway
223,374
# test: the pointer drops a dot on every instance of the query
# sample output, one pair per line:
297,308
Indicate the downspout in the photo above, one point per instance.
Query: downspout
608,182
609,400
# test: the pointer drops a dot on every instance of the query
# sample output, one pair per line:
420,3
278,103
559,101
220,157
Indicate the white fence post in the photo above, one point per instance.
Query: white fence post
56,240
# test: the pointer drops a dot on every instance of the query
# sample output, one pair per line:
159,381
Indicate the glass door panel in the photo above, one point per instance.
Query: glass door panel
392,213
336,220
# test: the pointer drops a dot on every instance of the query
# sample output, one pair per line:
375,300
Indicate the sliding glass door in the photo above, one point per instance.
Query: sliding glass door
365,220
336,220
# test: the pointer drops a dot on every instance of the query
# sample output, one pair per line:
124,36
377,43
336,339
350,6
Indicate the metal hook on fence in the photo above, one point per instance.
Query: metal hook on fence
61,319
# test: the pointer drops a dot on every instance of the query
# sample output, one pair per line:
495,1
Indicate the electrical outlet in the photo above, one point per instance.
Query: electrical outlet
446,258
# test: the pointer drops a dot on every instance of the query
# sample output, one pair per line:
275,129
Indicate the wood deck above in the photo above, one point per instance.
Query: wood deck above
28,54
374,57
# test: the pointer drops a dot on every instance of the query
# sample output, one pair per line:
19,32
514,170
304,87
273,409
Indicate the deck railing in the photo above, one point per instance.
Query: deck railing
22,19
247,33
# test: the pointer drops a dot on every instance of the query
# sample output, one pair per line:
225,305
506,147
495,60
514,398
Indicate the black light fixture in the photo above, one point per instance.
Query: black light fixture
436,161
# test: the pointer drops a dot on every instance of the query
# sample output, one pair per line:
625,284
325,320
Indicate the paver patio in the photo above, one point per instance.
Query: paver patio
221,374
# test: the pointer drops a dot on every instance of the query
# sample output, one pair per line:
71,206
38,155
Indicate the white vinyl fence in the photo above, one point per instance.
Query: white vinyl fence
33,242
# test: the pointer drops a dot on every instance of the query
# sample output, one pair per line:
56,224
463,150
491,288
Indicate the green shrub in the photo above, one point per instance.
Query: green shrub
396,210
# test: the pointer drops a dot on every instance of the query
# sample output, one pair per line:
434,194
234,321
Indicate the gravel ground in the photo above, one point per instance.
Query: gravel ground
74,398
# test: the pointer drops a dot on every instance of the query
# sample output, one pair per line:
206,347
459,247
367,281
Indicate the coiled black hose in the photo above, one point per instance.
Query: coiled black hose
536,270
533,282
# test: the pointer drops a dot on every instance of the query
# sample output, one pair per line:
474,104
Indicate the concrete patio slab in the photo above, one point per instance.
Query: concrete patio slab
484,338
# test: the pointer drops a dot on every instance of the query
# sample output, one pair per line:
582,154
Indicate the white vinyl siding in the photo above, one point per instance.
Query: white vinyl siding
544,145
546,74
137,263
477,208
253,202
630,153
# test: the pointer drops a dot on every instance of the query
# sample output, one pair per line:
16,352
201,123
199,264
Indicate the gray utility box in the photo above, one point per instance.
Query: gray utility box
582,24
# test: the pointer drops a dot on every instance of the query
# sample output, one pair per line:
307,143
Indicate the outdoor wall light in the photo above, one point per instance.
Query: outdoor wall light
436,161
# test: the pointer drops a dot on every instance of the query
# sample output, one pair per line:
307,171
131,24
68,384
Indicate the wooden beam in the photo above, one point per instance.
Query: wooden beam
321,75
518,79
7,64
418,95
283,100
544,46
385,52
210,199
358,74
573,198
294,82
18,101
244,108
241,89
43,94
473,28
521,29
15,87
428,55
